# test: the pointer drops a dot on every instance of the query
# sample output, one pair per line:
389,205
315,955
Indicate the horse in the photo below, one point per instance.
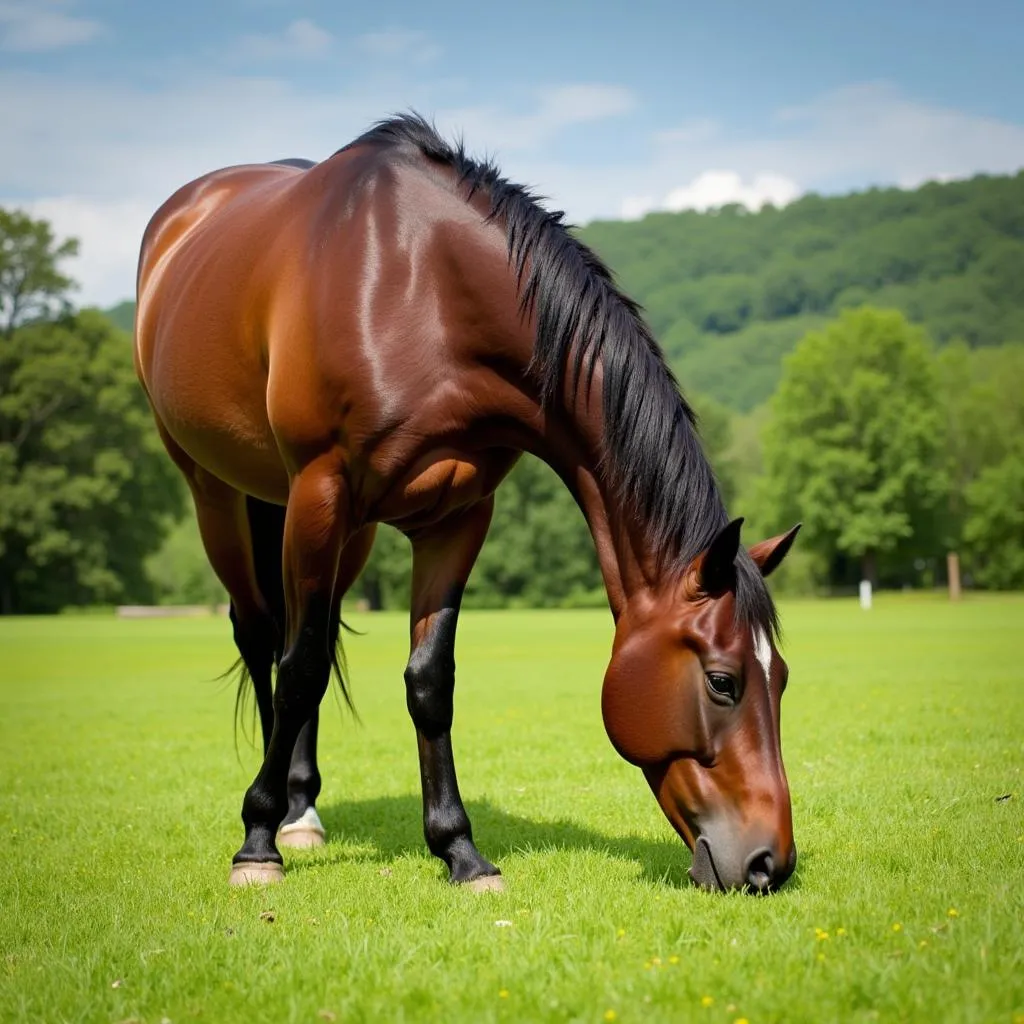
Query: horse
377,338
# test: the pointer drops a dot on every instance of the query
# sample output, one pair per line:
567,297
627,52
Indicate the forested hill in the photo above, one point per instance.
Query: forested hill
730,292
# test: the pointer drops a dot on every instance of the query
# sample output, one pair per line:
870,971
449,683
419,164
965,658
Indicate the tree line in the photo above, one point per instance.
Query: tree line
893,434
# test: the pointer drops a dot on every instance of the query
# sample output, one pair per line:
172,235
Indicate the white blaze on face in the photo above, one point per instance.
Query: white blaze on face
763,652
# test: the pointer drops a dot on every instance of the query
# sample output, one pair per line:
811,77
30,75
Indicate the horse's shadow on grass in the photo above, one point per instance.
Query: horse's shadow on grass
384,828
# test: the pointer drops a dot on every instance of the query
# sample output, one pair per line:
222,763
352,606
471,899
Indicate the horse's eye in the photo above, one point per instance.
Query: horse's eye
722,688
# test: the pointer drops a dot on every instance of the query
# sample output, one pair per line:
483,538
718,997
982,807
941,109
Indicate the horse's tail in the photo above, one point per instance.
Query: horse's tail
266,528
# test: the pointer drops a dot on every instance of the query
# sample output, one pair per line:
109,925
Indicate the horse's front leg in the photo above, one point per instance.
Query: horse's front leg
442,560
314,534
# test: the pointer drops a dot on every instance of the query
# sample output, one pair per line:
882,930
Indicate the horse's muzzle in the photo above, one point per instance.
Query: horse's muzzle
760,871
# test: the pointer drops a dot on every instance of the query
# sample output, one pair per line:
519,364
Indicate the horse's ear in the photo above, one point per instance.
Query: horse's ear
769,553
718,563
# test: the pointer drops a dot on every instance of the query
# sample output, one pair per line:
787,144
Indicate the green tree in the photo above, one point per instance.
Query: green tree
539,551
994,530
85,488
714,422
179,569
854,447
983,405
387,578
31,285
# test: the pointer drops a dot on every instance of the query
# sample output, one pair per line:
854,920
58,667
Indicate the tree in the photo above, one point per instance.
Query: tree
179,569
983,405
31,286
994,530
85,487
539,552
718,284
386,581
854,447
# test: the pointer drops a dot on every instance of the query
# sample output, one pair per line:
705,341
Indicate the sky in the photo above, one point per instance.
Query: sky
608,109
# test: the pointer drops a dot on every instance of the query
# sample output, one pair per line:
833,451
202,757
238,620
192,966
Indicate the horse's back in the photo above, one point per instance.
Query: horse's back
284,311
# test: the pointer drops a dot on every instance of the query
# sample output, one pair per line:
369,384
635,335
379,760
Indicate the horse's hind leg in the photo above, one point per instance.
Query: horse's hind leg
442,561
302,827
314,535
224,529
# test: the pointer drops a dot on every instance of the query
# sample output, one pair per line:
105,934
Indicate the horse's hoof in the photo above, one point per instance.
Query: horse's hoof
305,833
486,883
263,872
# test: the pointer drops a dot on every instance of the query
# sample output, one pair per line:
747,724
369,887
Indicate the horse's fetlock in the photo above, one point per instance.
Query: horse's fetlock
445,831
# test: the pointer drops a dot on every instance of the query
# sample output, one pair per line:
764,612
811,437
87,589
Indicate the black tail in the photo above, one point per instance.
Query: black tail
266,526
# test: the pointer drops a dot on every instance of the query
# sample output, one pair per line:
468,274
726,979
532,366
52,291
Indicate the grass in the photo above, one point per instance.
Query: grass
120,794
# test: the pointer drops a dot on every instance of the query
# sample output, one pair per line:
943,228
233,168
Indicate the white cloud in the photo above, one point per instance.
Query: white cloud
409,45
868,134
717,188
713,189
40,26
302,38
635,207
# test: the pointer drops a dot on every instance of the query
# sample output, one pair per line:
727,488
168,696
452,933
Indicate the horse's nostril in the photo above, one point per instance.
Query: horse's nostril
760,868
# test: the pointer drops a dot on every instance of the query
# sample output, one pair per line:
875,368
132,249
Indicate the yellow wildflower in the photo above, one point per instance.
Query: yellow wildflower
620,932
897,927
840,931
673,959
952,912
610,1015
820,934
706,1001
503,993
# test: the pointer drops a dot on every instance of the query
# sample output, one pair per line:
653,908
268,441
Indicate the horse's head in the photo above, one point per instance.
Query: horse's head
692,696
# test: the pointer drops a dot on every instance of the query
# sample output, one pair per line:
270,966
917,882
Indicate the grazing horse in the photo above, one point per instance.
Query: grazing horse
377,338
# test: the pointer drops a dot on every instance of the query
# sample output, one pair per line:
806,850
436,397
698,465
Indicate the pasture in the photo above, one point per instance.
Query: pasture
903,733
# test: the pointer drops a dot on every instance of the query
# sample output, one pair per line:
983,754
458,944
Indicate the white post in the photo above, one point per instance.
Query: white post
865,594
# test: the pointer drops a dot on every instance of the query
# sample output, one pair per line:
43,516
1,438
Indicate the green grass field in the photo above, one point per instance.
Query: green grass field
120,794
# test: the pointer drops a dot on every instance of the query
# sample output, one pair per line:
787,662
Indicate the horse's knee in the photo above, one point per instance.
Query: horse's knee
429,691
302,678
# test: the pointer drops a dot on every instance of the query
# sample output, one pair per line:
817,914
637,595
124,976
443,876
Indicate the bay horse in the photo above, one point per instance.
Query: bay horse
377,338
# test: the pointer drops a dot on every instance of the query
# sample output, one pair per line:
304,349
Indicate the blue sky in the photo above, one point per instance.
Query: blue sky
609,109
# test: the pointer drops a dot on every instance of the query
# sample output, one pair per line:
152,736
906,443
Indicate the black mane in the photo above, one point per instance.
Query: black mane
653,455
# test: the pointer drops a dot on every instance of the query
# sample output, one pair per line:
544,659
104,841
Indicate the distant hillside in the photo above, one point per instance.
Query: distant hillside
123,315
729,293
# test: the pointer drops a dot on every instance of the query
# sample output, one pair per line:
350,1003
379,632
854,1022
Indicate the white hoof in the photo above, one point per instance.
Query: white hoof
305,833
486,883
265,872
